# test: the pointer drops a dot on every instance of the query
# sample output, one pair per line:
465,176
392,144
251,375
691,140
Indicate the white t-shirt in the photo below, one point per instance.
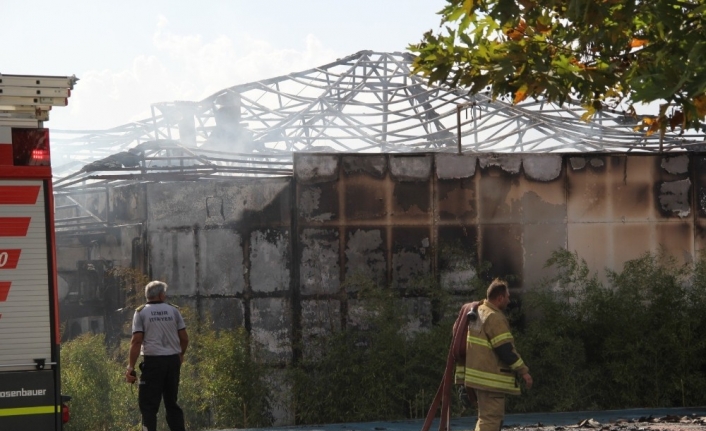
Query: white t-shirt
160,323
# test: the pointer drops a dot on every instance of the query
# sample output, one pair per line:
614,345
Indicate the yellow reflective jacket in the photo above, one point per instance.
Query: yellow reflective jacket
488,337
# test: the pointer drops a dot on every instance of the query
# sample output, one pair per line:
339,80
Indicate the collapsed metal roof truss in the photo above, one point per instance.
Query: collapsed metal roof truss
367,102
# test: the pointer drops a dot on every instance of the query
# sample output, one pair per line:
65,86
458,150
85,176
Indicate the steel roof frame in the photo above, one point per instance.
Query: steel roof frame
366,102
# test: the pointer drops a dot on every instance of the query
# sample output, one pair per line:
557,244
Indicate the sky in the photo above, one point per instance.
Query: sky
129,54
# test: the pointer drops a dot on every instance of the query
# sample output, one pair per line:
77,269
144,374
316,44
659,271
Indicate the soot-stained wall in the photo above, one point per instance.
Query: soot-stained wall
281,257
398,218
275,254
224,248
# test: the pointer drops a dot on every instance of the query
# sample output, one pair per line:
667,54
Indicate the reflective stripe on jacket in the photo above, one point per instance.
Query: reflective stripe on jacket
483,368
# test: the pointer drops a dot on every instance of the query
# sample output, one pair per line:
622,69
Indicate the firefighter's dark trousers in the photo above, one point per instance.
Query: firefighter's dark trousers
491,410
160,379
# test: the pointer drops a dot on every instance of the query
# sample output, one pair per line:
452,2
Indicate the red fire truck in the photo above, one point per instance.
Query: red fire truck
30,390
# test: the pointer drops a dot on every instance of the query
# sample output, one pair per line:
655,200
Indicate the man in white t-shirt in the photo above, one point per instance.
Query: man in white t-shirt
159,334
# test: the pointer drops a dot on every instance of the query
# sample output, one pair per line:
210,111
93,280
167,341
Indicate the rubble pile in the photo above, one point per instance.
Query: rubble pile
649,423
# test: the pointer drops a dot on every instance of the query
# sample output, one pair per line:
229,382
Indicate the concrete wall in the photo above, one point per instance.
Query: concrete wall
283,257
400,217
225,245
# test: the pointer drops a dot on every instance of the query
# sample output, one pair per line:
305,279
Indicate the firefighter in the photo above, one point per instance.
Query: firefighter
493,366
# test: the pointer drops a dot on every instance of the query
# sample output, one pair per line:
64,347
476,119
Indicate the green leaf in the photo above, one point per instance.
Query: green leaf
466,39
455,14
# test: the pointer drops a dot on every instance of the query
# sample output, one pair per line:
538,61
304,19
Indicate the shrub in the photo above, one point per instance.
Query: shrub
633,342
377,372
234,388
101,400
222,383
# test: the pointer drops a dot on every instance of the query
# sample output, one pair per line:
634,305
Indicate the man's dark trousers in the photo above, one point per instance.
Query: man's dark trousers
160,379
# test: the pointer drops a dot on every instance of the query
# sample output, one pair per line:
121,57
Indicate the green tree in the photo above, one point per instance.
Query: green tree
606,54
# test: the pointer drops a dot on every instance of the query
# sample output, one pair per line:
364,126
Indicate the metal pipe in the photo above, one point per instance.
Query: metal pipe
458,123
458,128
